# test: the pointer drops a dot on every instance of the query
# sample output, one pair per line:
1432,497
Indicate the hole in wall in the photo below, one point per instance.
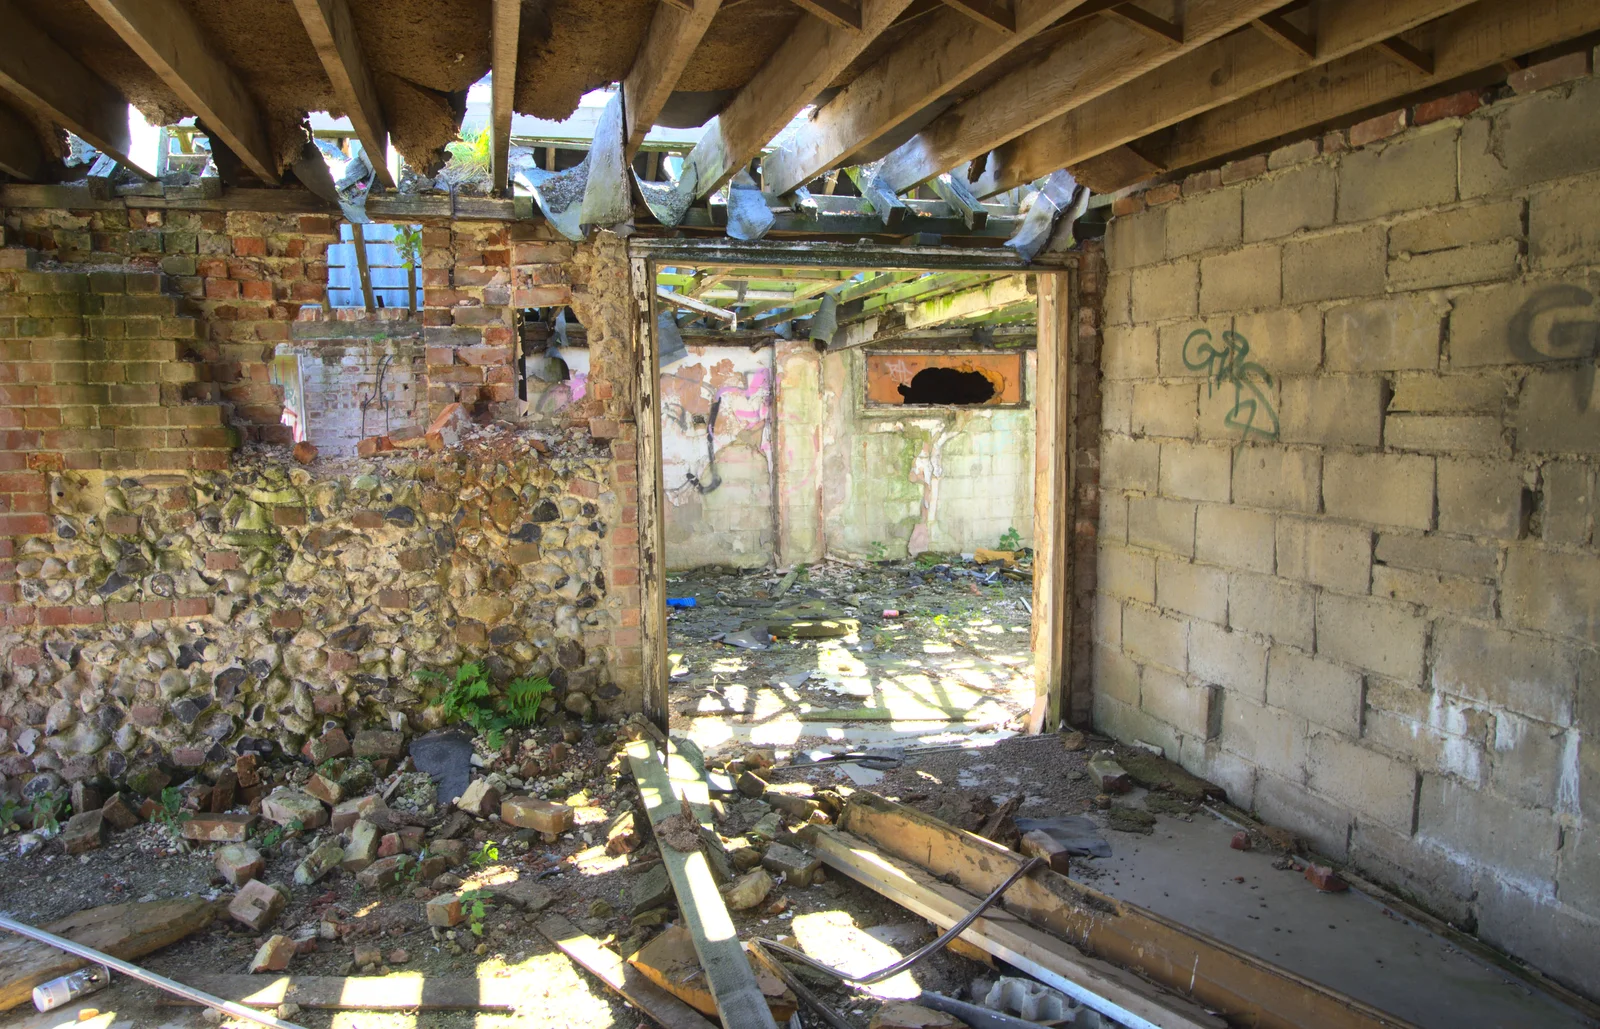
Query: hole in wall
552,367
947,386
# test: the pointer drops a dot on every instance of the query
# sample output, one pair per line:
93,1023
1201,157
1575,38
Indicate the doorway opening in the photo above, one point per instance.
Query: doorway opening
847,500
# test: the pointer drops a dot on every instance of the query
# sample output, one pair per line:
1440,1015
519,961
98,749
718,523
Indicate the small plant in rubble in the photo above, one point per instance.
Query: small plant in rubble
46,809
470,697
1011,540
171,813
476,908
488,854
9,809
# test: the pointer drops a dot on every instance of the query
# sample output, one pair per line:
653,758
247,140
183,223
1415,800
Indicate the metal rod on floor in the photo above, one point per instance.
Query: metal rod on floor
133,971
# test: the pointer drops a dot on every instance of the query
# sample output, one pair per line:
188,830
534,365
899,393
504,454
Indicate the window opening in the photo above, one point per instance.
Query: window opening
990,379
947,386
392,281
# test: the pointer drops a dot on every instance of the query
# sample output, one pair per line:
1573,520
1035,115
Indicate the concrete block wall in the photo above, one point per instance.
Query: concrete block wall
1348,565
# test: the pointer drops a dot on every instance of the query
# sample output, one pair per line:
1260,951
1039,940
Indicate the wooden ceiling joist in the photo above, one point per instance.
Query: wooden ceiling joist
1091,59
1478,37
675,32
841,13
1000,15
972,303
1208,77
689,303
1280,30
21,155
505,30
43,76
1409,56
807,62
949,50
333,35
1159,29
167,38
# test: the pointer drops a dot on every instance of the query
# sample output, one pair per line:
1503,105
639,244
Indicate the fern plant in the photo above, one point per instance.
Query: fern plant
471,698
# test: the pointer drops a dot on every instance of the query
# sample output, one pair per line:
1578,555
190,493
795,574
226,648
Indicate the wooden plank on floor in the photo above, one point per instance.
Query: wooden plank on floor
1247,990
399,992
1109,990
740,1001
662,1007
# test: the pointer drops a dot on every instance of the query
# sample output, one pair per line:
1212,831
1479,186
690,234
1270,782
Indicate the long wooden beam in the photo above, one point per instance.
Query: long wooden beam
333,35
1245,989
985,299
664,779
1218,73
167,38
1054,520
843,13
41,75
949,50
689,303
663,55
1091,59
1109,990
811,58
1475,38
505,27
21,155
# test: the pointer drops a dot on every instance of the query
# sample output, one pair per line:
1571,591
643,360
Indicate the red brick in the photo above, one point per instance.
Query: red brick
1325,879
1200,182
287,619
624,577
1381,127
1163,194
257,290
192,607
155,610
24,524
222,560
222,289
1248,168
25,656
55,616
1551,73
367,519
249,246
316,225
394,600
122,525
1456,105
288,516
86,615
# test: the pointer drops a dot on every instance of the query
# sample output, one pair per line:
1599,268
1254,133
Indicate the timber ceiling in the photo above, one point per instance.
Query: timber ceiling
997,93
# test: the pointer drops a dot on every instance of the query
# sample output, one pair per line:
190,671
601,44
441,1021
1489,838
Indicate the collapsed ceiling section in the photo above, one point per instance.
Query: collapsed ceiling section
942,101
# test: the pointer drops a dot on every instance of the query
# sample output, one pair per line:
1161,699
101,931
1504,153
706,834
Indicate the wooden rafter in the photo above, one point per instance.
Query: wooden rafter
333,35
1406,54
1159,29
949,50
21,155
1473,39
1209,77
504,33
167,38
1000,15
675,31
987,299
1287,34
811,58
41,75
689,303
842,13
1090,59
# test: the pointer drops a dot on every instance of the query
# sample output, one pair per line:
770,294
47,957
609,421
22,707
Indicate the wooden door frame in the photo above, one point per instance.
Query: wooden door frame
1054,410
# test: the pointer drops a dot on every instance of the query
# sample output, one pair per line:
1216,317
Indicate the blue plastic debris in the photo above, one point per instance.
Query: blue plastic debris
680,602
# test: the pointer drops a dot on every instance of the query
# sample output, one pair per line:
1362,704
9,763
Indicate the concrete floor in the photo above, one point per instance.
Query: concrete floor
1349,941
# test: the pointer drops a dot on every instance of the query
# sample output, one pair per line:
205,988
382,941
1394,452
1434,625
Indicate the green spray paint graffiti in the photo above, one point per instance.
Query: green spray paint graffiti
1228,366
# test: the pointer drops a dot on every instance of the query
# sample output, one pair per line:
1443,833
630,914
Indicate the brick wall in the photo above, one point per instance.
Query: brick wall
1348,565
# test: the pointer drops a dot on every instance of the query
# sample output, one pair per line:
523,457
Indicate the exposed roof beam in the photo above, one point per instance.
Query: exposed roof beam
504,32
663,55
333,35
948,51
1287,34
1091,59
1159,29
812,57
21,155
1216,74
1000,15
1409,56
167,38
841,13
41,75
689,303
971,303
1478,37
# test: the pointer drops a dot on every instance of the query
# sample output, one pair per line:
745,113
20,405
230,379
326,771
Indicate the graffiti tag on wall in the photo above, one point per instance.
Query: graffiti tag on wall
1559,322
1227,367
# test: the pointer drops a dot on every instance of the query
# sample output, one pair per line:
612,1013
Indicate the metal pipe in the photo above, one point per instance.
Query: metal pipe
131,970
